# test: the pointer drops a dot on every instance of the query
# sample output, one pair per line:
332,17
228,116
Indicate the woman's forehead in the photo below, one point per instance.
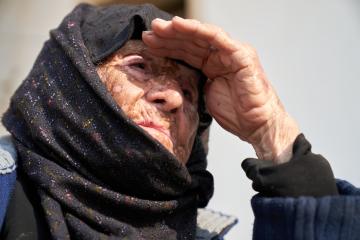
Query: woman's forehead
133,46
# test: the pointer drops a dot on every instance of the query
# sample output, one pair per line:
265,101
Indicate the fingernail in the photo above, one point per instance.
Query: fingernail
148,32
159,20
178,18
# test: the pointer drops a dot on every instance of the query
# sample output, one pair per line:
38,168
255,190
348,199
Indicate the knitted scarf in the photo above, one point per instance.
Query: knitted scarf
97,174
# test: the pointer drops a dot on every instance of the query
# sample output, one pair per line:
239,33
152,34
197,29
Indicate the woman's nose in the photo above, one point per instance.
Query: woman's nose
169,99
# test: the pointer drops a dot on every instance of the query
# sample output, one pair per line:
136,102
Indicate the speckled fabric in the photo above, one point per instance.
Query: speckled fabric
97,174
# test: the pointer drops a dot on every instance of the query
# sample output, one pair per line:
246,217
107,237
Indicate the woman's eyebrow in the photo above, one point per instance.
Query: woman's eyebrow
133,49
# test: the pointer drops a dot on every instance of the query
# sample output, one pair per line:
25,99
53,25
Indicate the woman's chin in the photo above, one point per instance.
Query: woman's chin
167,142
161,137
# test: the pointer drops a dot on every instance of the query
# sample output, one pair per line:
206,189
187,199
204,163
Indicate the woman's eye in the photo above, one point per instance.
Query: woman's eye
140,66
136,67
135,62
187,94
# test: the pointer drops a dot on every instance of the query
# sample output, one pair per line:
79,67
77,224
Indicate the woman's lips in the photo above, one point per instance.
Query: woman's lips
155,126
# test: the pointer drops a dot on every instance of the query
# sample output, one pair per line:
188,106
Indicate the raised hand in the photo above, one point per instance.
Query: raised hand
238,94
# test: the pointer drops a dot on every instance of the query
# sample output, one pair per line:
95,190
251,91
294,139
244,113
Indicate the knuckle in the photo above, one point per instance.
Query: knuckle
195,21
252,50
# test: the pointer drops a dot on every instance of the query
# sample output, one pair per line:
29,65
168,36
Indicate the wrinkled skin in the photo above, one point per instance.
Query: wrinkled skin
157,93
238,95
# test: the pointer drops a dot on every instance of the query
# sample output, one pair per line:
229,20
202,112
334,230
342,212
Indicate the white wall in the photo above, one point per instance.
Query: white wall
311,53
24,27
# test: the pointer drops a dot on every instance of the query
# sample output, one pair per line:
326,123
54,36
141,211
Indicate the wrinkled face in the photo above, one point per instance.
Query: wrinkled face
158,94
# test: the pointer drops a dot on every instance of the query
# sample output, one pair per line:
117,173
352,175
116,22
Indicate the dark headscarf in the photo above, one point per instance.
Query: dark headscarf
97,174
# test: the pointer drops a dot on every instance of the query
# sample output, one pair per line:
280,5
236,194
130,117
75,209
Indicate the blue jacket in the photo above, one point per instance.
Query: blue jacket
7,174
304,218
309,218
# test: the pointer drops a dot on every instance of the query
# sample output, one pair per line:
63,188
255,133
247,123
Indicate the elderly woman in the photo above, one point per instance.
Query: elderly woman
109,129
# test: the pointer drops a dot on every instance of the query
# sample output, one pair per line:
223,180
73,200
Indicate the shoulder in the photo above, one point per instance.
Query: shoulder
7,155
7,173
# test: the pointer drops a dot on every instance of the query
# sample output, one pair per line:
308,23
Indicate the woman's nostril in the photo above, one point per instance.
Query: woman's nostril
159,101
173,110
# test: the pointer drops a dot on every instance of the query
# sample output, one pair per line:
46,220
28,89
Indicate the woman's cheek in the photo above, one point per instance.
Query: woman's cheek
192,114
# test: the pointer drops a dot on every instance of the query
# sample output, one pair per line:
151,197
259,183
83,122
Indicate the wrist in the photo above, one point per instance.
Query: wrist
274,141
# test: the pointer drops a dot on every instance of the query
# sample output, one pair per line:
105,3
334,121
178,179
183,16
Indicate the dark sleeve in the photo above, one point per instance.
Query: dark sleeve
7,183
306,174
303,218
7,174
301,199
24,218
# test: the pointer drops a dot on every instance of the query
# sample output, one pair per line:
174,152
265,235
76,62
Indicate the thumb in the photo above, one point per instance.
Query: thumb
251,166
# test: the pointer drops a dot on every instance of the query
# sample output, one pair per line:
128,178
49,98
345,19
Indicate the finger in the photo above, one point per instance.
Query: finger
165,29
212,34
154,41
250,168
253,166
245,56
179,54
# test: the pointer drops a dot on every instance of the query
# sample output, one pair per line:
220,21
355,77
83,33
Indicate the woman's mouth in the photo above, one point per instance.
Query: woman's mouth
149,126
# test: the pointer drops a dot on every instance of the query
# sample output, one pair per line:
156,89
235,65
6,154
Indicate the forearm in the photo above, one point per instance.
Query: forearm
274,141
